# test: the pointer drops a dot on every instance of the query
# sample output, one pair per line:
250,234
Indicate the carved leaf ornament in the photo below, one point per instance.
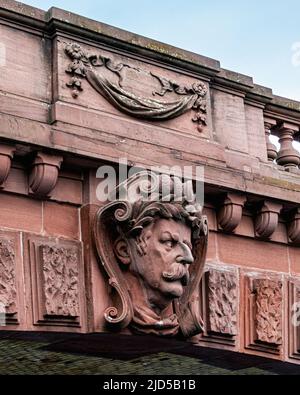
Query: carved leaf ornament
84,65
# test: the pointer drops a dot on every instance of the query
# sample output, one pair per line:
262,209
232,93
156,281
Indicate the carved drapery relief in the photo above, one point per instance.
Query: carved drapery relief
153,252
268,315
8,292
222,301
60,271
85,66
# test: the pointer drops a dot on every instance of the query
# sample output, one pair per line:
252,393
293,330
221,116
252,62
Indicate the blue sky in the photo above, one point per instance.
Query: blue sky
253,38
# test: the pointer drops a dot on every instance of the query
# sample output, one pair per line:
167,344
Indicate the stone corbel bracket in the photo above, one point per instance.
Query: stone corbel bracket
266,220
230,211
44,173
294,227
6,155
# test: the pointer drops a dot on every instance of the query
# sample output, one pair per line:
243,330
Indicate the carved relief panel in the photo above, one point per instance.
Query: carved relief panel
8,293
220,295
294,317
10,277
130,88
264,314
57,281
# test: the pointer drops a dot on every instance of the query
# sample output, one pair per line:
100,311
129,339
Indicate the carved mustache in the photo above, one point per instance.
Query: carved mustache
177,272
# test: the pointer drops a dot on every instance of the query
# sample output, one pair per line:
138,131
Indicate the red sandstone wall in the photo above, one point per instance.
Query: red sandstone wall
46,246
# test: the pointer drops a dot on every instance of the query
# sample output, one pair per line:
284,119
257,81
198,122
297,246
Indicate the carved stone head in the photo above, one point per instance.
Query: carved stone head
152,243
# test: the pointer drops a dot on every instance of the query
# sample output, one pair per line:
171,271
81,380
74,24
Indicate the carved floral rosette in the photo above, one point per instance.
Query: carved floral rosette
106,224
86,66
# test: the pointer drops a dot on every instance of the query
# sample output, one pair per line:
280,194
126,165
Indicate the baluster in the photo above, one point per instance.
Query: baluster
287,156
271,148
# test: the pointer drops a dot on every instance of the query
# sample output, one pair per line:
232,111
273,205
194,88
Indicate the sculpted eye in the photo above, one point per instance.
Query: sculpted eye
170,243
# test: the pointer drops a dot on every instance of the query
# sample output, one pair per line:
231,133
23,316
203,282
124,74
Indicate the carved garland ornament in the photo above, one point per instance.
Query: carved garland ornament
85,65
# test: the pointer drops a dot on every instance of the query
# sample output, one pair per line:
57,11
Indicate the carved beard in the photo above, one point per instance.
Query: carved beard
177,272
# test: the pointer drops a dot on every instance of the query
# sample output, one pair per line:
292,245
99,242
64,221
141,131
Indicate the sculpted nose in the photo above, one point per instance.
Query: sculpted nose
186,256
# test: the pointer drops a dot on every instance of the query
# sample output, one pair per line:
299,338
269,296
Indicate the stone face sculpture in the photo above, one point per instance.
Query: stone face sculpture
152,245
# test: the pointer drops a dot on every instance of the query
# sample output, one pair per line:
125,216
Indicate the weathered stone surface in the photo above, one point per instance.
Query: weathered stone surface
60,270
268,316
51,205
8,293
222,302
56,286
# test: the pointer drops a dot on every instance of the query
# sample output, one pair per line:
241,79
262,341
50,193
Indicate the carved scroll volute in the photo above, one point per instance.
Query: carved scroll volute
230,212
44,173
118,317
6,155
266,220
294,227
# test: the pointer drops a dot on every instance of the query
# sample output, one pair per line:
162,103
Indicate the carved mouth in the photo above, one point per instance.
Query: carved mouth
179,272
